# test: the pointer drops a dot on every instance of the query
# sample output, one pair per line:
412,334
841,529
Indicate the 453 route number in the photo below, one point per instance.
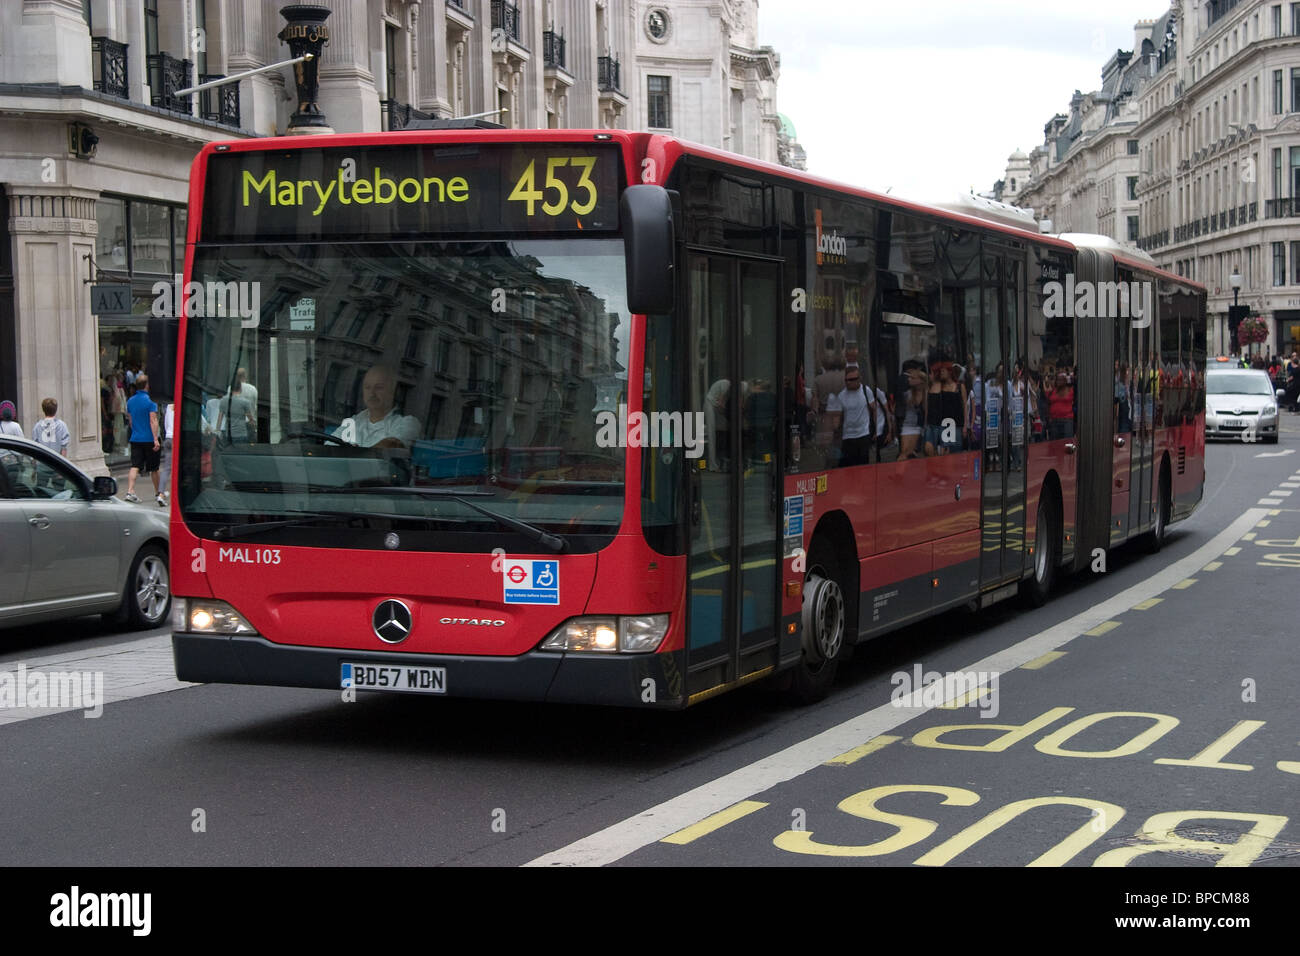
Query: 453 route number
526,190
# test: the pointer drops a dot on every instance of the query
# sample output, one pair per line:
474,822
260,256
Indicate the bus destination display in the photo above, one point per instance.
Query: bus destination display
413,191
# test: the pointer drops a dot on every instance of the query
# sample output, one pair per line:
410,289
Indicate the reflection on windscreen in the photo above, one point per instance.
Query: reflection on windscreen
1219,383
455,367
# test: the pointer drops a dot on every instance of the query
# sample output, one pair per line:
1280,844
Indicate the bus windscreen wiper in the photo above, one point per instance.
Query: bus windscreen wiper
534,533
302,518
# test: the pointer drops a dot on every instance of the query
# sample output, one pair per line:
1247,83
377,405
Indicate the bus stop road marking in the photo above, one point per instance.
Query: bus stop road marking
1233,550
1038,663
857,753
1213,566
1270,501
715,822
1105,627
653,824
1149,603
1184,584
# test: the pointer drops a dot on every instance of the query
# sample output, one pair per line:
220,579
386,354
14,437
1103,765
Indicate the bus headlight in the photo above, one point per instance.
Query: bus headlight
638,634
212,617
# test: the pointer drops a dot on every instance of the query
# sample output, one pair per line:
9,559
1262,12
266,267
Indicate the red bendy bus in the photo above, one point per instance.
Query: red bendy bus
412,454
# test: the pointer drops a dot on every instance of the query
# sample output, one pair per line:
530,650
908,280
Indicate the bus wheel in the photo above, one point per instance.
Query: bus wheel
1155,539
1047,553
825,625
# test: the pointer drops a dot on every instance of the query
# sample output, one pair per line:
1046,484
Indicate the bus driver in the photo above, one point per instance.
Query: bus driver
379,425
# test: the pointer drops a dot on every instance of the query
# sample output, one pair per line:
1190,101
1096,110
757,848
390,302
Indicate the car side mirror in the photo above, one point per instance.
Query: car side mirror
1281,393
104,487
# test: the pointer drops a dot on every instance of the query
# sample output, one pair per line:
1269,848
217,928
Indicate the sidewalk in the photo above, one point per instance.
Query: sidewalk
136,668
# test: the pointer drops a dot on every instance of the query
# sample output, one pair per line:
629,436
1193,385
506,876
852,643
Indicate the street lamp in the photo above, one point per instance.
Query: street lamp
1234,315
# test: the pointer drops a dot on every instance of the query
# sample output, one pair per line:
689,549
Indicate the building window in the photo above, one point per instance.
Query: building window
1132,147
1132,187
1295,263
659,101
1295,90
1277,20
1277,92
1278,193
1295,19
1279,263
1132,228
151,27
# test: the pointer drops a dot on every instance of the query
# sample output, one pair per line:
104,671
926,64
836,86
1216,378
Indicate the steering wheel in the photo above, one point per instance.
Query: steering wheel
322,436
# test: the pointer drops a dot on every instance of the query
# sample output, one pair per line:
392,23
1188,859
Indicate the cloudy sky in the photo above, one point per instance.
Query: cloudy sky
930,97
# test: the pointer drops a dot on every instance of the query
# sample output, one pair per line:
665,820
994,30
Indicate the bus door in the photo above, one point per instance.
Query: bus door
1142,387
1004,380
734,566
1094,398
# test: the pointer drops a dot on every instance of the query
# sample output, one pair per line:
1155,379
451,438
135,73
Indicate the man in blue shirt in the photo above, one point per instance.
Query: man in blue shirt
145,446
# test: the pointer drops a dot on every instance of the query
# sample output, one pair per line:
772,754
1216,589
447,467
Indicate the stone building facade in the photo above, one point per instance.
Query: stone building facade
96,141
1197,159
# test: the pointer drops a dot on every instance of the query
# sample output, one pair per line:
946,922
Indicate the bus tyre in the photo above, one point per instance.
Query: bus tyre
1155,538
825,629
1047,552
146,598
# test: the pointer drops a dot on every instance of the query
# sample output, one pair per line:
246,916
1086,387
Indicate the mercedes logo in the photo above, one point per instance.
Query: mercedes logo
391,621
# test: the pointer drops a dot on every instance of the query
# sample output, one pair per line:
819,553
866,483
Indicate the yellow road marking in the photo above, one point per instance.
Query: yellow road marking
857,753
1103,628
1248,536
1184,584
1213,566
965,699
1038,663
1262,524
715,822
1147,605
1232,551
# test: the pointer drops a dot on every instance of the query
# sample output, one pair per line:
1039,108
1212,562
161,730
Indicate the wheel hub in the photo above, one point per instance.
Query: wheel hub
823,618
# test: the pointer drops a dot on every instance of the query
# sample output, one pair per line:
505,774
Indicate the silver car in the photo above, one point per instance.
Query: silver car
1240,403
68,547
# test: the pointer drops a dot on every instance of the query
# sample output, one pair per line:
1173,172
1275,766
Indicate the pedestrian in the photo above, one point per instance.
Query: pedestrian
51,431
145,445
166,465
7,424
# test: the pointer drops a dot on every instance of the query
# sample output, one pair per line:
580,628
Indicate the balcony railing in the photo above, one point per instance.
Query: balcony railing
607,75
458,4
167,75
399,115
108,65
553,49
506,16
1281,208
220,104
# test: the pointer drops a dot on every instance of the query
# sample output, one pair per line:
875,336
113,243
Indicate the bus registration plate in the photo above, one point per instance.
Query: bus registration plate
401,677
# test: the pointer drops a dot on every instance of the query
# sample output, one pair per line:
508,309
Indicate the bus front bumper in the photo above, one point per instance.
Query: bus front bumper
620,680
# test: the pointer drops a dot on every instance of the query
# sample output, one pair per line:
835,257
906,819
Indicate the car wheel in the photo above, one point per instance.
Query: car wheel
825,629
1270,439
147,597
1047,553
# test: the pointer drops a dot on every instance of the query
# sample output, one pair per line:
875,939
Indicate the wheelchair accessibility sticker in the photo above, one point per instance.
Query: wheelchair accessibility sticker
531,582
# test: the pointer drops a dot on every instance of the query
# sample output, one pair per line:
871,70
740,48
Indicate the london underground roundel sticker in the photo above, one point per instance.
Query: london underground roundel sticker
531,582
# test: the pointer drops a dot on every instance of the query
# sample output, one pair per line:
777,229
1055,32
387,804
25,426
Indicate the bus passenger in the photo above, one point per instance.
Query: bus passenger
379,425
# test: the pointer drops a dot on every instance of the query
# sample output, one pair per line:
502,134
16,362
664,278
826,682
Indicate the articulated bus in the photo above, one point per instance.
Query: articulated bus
608,417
